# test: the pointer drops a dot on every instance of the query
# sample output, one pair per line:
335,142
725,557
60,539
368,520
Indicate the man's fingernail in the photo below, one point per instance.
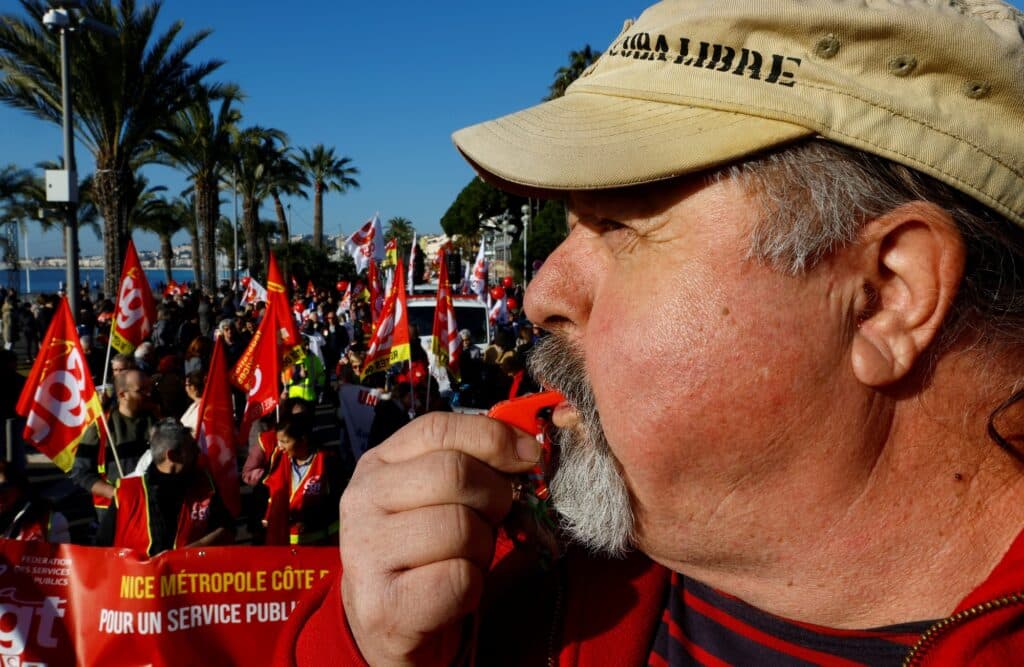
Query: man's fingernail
527,449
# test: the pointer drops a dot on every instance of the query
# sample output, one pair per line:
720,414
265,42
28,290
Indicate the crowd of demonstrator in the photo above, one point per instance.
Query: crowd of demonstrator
156,493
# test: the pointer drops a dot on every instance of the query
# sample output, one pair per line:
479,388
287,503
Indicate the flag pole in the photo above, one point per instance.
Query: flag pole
113,447
110,344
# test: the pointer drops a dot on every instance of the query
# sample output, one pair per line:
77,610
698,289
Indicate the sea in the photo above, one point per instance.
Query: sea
49,281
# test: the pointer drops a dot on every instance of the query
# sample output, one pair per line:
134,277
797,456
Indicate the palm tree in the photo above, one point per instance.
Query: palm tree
199,142
256,149
31,204
326,171
127,89
401,229
285,177
13,183
165,219
578,62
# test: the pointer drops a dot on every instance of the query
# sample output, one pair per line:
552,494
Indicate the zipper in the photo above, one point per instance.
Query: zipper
930,636
556,616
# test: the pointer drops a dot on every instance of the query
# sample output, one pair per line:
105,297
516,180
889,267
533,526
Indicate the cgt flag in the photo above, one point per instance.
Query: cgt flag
257,372
254,293
391,253
59,399
390,341
216,436
366,243
136,310
377,293
478,279
444,341
277,300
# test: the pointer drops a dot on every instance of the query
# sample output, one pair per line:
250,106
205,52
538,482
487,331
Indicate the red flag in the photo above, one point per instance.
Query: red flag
444,341
257,372
216,431
310,290
277,299
376,292
59,398
390,341
136,310
174,289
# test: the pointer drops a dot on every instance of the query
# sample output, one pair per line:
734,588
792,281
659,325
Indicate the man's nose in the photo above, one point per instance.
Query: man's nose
561,293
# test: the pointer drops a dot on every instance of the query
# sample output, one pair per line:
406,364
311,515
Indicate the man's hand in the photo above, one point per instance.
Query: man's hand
101,488
417,533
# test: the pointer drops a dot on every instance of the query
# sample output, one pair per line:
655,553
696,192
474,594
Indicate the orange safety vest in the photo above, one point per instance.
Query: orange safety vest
134,529
285,506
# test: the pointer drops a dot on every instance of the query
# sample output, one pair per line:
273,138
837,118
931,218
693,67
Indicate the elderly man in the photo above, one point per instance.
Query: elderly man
172,505
787,321
95,470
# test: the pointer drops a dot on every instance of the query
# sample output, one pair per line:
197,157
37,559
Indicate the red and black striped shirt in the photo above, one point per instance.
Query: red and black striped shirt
701,626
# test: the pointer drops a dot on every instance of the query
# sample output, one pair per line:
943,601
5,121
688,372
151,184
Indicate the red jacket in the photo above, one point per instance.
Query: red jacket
133,528
591,611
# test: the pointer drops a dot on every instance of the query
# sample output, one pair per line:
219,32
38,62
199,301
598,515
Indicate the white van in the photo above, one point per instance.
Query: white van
470,313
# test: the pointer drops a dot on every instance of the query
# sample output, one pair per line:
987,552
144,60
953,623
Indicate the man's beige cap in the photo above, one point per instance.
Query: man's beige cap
692,84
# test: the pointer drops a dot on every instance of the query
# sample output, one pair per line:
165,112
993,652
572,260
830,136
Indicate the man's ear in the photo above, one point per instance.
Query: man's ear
911,261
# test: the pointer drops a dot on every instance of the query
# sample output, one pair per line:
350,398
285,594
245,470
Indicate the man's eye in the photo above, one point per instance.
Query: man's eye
605,225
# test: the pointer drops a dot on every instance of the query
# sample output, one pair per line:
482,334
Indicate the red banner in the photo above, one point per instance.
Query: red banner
68,604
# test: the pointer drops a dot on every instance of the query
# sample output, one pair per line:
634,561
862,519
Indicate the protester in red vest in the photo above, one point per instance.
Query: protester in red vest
173,504
305,484
23,514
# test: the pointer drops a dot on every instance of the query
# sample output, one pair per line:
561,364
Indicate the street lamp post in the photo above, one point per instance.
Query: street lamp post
526,233
64,186
28,261
234,188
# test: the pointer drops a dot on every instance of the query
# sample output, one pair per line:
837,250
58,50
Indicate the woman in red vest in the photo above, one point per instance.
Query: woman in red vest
305,485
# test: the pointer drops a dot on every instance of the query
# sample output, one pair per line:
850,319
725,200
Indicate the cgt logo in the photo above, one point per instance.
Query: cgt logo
25,623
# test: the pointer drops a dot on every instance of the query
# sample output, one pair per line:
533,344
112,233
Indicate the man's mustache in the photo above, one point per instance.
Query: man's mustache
558,364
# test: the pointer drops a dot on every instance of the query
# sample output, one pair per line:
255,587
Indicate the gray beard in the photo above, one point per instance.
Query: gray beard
587,489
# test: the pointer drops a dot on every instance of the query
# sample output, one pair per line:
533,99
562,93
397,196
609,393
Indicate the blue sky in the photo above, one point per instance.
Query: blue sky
385,83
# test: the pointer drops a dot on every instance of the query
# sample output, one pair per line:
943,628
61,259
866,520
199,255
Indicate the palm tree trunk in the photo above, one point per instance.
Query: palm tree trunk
166,254
250,221
282,219
318,215
208,202
196,249
111,184
197,211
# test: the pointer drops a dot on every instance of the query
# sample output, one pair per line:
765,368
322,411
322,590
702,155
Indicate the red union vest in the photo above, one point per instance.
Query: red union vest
133,529
285,506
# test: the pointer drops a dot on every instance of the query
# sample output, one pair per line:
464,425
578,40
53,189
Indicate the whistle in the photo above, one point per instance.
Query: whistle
527,413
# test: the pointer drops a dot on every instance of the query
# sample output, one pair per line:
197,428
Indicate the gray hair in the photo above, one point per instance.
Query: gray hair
816,197
165,436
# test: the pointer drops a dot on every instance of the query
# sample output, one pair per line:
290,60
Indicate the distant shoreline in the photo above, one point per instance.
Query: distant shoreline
97,267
